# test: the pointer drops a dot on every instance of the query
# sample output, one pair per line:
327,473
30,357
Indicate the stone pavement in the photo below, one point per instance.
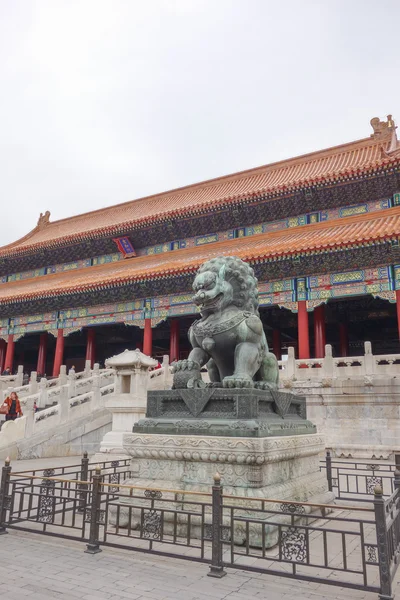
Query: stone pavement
35,567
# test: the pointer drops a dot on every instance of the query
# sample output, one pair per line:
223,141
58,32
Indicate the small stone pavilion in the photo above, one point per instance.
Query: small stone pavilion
320,230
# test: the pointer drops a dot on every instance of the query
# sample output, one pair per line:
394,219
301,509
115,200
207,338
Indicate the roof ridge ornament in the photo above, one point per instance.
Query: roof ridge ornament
382,128
43,220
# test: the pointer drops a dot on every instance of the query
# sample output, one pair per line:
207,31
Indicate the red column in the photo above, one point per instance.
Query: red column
8,363
59,354
148,338
398,309
319,331
41,361
302,325
90,346
344,339
3,346
276,343
174,341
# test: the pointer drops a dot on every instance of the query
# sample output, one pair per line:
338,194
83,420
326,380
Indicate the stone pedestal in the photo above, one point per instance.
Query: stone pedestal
284,468
128,402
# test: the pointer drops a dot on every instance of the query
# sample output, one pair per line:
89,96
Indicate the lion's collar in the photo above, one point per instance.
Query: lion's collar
211,329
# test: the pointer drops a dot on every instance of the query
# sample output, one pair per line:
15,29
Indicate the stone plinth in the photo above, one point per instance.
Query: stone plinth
284,468
225,412
128,403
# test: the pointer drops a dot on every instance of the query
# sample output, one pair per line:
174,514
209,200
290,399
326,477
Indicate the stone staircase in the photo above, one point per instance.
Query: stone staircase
71,416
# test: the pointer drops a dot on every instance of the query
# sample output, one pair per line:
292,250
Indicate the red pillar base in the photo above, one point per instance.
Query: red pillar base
59,354
147,338
90,346
319,331
3,347
9,360
174,341
302,320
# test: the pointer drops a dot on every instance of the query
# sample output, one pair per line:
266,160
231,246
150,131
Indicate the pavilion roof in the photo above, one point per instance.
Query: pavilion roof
339,163
320,237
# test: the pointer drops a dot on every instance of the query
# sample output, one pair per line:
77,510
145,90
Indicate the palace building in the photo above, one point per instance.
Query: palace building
321,232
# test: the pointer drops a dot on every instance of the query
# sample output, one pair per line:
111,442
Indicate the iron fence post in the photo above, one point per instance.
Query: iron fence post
382,543
4,498
216,567
329,469
93,547
83,486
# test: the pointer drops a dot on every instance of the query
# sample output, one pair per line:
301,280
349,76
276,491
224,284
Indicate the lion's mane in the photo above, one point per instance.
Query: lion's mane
241,277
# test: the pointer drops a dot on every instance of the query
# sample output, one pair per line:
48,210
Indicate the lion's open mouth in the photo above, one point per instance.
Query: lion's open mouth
213,302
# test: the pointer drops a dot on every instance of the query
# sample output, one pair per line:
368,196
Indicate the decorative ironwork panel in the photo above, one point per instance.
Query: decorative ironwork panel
151,524
101,516
225,532
115,463
46,508
372,554
295,509
114,478
153,494
372,482
47,501
294,544
373,467
48,472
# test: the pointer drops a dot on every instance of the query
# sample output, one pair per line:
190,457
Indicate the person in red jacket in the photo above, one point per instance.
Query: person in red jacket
14,407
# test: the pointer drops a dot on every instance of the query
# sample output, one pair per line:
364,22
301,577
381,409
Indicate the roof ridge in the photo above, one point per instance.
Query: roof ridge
370,141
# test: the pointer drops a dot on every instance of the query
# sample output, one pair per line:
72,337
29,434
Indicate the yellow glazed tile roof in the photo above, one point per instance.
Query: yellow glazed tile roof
266,246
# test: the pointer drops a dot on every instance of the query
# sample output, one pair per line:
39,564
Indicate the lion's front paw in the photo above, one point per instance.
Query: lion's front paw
265,385
185,365
238,381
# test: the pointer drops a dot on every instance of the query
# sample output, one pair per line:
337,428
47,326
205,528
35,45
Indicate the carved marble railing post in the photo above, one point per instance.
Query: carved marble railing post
369,362
96,400
291,364
88,368
71,383
33,384
20,376
165,365
42,393
328,361
29,415
63,378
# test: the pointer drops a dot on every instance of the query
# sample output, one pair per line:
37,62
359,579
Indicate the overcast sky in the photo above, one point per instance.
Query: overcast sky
107,101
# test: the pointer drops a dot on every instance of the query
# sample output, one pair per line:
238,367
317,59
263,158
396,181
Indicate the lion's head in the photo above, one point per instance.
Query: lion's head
225,281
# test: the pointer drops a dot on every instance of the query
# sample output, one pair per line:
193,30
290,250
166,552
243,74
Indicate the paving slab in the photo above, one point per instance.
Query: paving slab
116,574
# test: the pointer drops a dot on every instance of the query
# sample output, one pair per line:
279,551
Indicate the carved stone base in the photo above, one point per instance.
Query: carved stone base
283,468
225,412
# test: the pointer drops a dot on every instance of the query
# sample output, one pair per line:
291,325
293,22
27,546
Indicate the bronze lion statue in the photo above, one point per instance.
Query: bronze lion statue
229,338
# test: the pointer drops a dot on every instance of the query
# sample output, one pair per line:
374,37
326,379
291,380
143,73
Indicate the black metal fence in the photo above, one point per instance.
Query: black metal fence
357,479
349,546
